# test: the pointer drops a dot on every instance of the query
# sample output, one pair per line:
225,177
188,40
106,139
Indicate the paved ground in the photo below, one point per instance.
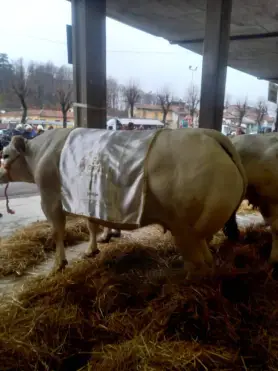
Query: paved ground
27,210
19,190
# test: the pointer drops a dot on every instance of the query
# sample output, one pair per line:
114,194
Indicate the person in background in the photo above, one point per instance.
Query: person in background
29,132
40,130
130,126
119,126
239,131
19,129
50,127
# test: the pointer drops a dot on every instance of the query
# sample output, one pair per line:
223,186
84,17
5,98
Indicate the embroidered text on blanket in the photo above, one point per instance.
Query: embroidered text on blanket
96,165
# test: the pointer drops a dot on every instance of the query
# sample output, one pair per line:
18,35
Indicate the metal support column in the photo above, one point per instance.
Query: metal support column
215,58
89,62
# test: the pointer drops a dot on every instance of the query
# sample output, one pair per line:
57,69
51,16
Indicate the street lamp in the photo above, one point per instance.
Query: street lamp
192,69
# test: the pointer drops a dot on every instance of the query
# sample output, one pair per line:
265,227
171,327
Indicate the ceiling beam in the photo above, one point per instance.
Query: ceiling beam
267,78
232,38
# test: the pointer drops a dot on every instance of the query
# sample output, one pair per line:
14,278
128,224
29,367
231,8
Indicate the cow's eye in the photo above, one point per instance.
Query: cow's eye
5,157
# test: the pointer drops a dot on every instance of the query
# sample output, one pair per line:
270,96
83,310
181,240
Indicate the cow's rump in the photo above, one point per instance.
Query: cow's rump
103,174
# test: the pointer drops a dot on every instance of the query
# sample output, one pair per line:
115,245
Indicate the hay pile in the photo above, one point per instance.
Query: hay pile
247,208
131,309
29,245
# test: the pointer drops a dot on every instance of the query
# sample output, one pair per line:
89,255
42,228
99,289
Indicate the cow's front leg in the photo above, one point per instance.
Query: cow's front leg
92,248
56,217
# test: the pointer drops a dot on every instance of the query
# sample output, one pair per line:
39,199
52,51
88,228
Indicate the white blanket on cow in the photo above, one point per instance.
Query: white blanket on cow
103,174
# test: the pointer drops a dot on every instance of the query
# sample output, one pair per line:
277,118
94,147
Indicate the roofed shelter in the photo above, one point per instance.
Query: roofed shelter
241,33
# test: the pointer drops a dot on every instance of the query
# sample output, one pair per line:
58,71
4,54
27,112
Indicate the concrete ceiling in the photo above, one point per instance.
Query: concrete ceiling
185,19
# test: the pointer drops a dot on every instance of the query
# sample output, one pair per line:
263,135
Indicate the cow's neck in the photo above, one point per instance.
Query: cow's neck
29,176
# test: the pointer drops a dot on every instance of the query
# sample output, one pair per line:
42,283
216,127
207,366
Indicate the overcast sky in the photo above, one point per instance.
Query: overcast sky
36,30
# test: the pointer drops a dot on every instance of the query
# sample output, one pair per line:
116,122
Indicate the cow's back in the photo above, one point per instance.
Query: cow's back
192,177
259,154
43,156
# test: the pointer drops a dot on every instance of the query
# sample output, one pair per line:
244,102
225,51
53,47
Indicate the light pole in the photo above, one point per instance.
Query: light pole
192,90
192,69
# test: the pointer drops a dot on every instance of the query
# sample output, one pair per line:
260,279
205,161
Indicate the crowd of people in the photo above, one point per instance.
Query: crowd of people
27,131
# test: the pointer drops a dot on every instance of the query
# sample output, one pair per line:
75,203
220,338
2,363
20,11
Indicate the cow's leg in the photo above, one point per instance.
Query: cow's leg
92,248
231,229
116,233
56,217
274,249
197,257
106,236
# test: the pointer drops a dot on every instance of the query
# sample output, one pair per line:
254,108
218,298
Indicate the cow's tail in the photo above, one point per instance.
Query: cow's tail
231,229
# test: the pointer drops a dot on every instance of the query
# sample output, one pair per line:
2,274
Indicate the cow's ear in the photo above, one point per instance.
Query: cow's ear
19,143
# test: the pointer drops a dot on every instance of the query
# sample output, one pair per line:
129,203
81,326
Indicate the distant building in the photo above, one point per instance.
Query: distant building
37,116
249,121
176,115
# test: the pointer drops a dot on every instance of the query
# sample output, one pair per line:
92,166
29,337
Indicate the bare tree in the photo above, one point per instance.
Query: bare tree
227,102
64,91
192,99
241,107
65,102
20,86
276,121
261,110
131,93
165,100
113,90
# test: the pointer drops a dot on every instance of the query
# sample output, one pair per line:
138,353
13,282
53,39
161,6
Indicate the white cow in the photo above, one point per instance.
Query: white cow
195,181
259,156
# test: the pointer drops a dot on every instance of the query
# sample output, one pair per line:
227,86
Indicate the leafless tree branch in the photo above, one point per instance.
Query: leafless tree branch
192,99
131,93
241,107
20,86
164,98
64,91
262,111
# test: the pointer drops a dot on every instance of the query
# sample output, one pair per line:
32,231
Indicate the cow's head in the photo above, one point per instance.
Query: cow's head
14,166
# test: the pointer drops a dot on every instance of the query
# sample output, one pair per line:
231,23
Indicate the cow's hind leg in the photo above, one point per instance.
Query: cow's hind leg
105,236
198,259
231,229
56,217
92,248
116,233
274,249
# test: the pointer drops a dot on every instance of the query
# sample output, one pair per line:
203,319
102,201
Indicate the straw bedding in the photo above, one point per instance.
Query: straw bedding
131,308
247,208
30,245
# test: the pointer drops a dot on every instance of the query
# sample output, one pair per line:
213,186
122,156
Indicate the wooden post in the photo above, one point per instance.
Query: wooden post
89,62
215,59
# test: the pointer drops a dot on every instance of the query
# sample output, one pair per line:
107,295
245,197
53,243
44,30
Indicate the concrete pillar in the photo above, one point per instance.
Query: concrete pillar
89,62
215,58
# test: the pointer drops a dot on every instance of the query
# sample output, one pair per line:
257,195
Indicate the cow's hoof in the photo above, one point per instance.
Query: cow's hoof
60,267
91,254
